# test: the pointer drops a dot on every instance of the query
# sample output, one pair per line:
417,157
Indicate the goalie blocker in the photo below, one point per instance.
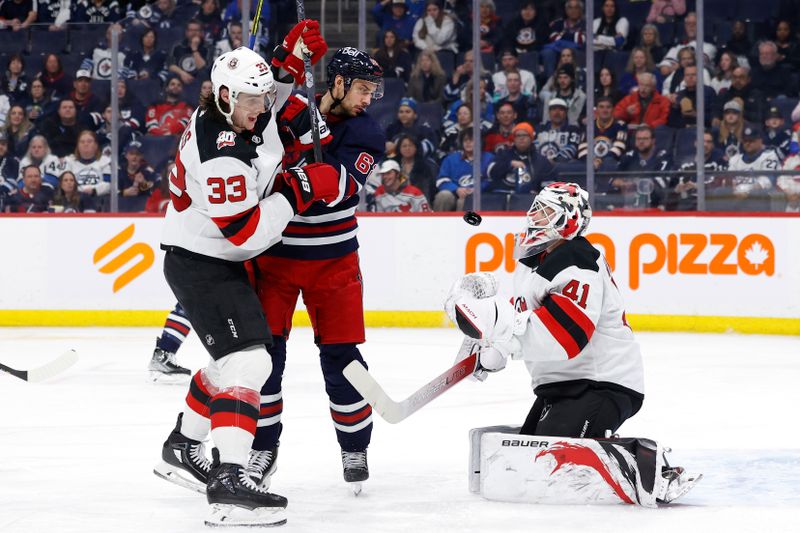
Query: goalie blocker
506,466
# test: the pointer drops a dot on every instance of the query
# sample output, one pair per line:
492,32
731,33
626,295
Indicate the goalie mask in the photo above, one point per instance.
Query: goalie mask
242,72
559,211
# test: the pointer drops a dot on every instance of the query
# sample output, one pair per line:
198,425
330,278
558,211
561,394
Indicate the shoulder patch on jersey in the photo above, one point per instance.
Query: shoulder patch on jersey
577,252
217,140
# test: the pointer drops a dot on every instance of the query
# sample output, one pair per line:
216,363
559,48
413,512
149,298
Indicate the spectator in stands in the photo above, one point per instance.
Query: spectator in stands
487,108
670,61
500,136
396,194
57,82
490,30
38,103
9,164
171,116
427,80
509,62
453,129
189,58
149,61
19,130
750,192
610,28
772,78
753,100
54,13
729,136
159,14
524,103
519,168
723,74
408,123
568,92
61,130
85,101
159,199
606,86
91,168
790,184
15,81
644,106
101,125
17,15
557,140
394,15
739,43
50,166
68,199
131,110
610,136
776,136
136,177
639,62
436,30
97,12
456,181
233,39
393,57
32,197
674,82
683,113
567,58
528,31
420,170
567,32
210,18
101,59
788,47
462,74
643,191
683,193
5,106
272,15
665,11
205,90
650,41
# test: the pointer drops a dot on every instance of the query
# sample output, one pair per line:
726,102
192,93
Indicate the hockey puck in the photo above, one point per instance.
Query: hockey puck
472,218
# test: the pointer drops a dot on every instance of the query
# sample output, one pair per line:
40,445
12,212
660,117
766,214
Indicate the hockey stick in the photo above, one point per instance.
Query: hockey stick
48,370
256,20
310,96
394,412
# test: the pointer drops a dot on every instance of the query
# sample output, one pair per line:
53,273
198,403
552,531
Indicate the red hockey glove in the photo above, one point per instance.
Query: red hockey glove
304,186
294,125
304,37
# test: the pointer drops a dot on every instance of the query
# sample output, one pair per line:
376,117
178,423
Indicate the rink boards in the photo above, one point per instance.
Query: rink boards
676,273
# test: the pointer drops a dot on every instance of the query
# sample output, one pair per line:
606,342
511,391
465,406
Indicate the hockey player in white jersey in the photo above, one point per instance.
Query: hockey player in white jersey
566,321
230,201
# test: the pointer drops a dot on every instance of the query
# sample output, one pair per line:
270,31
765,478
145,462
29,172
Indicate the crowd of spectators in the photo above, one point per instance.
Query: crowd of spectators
55,114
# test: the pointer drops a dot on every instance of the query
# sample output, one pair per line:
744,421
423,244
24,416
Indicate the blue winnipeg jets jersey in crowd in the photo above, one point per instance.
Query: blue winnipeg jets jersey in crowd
323,231
609,141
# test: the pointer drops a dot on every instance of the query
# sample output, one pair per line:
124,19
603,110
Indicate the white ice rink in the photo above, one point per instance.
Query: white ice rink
76,453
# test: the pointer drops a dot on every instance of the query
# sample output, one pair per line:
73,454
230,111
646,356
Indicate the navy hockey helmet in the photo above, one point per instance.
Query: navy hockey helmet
353,64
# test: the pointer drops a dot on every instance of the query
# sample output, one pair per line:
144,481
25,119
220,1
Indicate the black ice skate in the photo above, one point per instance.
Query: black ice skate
164,369
184,461
261,465
236,499
355,469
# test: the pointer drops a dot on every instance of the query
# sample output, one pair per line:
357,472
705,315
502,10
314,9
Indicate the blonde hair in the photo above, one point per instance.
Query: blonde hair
725,130
649,64
436,67
97,151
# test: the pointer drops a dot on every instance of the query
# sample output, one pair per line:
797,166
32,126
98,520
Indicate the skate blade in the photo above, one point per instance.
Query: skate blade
686,487
357,487
160,378
226,515
177,476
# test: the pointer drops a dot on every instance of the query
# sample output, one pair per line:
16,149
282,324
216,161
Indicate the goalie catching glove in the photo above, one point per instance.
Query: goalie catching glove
304,38
303,186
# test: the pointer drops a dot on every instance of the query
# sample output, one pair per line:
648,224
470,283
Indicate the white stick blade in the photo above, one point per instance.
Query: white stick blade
366,385
56,366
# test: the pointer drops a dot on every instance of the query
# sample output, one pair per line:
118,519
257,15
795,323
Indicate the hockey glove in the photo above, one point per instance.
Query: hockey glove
303,38
477,285
294,125
304,186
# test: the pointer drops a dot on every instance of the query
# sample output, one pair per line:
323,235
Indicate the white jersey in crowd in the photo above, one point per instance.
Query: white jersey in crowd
51,165
526,77
577,329
408,199
767,159
92,176
219,188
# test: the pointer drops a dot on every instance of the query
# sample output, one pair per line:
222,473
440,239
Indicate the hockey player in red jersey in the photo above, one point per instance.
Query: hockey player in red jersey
318,258
230,202
567,322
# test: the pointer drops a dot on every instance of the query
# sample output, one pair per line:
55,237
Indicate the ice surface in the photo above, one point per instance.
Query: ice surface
76,453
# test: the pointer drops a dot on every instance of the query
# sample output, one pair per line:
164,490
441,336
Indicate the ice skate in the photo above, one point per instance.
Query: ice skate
164,369
184,461
355,469
262,465
236,500
677,482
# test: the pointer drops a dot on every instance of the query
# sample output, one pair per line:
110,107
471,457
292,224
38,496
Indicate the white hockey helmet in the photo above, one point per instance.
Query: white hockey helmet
560,211
242,71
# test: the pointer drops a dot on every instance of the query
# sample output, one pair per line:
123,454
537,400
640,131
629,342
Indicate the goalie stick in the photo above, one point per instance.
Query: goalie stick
48,370
394,412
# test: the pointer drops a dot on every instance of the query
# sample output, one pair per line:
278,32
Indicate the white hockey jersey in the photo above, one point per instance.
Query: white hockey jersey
219,188
92,176
577,329
767,159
